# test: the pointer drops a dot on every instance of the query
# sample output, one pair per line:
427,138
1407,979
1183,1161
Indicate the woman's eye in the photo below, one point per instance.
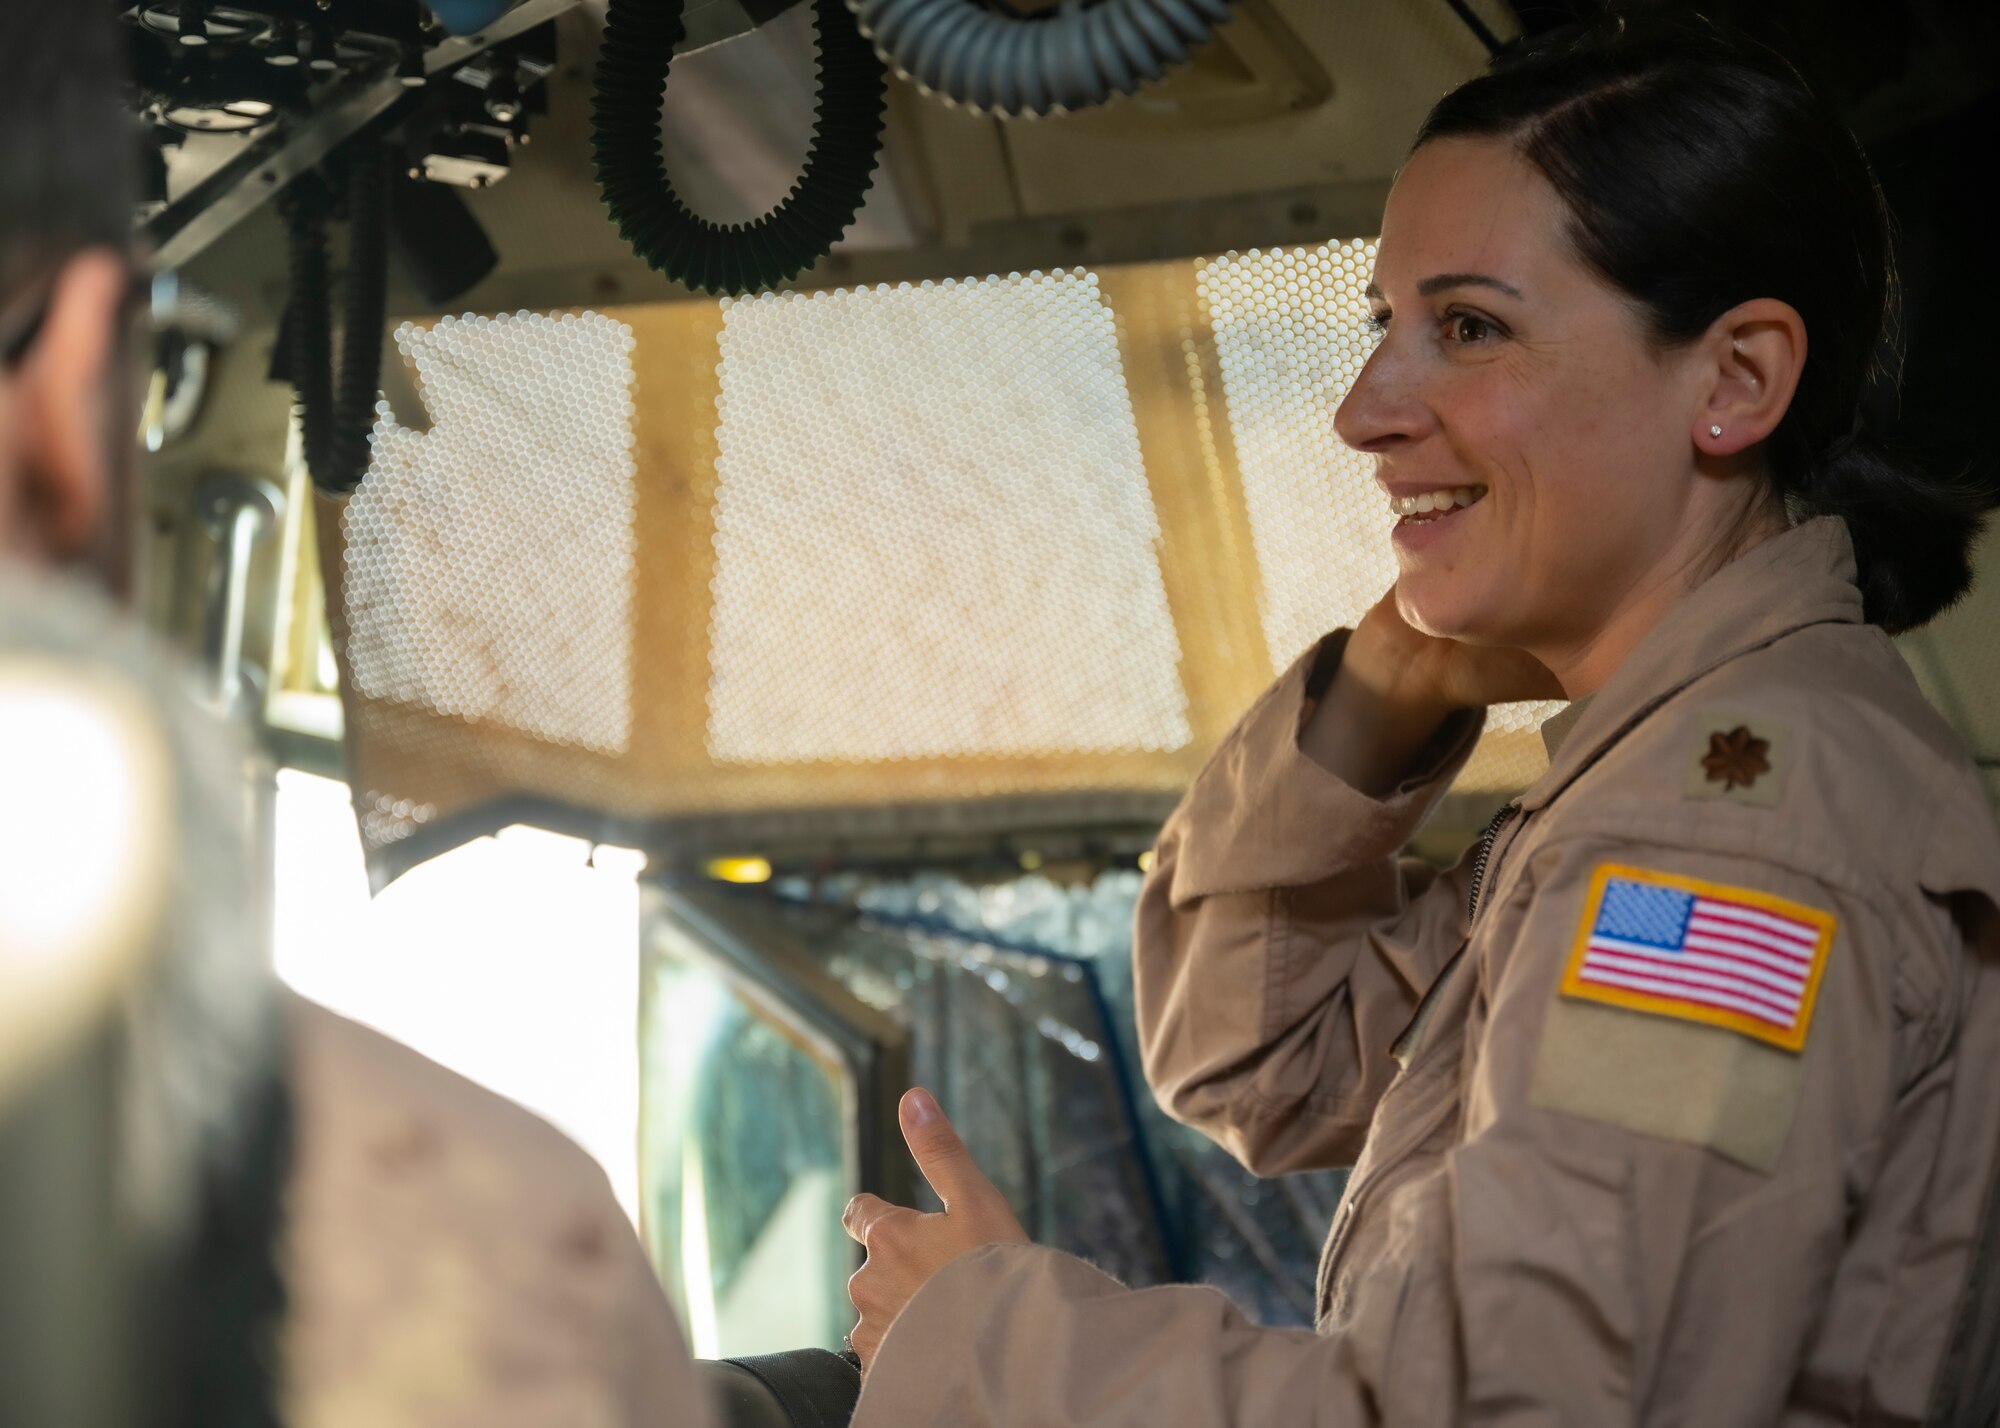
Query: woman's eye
1468,329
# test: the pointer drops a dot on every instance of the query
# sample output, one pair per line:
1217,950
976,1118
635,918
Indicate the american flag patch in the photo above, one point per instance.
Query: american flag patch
1700,951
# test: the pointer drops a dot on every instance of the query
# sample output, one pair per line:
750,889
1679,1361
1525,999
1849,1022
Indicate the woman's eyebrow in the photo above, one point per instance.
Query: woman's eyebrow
1438,282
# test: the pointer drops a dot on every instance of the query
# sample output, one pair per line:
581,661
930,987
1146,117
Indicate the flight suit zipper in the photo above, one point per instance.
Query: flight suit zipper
1485,855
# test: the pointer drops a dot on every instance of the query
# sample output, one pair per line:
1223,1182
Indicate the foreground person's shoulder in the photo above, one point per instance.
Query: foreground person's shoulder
354,1082
452,1258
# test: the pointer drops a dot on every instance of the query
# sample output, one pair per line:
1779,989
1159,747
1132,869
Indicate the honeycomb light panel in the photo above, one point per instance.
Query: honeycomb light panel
490,560
934,533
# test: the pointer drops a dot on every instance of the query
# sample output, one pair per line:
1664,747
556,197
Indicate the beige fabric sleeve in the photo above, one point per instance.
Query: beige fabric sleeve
1552,1268
1281,944
453,1261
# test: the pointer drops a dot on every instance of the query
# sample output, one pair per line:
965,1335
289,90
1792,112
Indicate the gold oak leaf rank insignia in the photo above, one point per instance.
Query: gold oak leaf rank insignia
1736,759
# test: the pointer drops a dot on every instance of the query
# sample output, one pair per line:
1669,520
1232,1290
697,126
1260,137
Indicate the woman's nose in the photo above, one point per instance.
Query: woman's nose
1380,410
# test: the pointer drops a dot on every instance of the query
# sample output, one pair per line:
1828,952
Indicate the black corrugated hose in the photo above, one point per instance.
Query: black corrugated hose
1054,63
308,327
360,384
337,419
639,41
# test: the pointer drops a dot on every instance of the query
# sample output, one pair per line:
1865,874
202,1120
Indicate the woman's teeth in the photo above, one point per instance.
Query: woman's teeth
1435,502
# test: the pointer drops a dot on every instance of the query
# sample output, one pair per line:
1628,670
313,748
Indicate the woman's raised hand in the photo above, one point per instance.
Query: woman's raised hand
1410,668
1394,689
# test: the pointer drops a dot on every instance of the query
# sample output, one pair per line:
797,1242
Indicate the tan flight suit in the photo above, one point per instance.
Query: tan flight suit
1572,1205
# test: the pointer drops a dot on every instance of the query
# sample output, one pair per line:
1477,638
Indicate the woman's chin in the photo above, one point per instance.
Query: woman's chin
1437,613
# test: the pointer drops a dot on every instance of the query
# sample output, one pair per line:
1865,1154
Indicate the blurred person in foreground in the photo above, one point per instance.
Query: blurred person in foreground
219,1205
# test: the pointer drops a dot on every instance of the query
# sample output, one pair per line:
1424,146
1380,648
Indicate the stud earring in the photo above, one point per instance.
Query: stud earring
1715,431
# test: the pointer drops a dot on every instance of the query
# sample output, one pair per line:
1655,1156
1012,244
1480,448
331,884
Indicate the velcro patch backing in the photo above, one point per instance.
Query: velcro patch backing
1675,1080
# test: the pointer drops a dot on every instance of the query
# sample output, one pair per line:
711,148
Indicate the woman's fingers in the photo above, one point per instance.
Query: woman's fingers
872,1318
906,1247
1394,657
862,1213
864,1341
939,1153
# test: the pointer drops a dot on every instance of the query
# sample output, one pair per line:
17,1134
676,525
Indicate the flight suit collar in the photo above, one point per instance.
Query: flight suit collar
1555,728
1804,577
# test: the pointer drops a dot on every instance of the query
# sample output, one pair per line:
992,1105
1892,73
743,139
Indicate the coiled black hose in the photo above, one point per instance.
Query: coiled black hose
639,41
308,327
1050,64
336,420
360,384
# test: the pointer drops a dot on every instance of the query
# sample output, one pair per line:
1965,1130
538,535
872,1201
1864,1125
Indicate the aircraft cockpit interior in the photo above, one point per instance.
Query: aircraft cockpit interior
725,529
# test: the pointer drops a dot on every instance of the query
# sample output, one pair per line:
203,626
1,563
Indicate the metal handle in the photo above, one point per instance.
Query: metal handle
238,511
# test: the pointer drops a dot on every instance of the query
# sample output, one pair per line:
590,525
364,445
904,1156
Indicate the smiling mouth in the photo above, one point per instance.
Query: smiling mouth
1431,505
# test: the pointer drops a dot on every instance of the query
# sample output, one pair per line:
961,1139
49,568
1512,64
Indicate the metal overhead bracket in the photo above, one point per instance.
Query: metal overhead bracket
236,190
710,22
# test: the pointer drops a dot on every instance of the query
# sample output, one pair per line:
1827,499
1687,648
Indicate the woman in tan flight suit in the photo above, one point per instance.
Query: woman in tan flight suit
1677,1100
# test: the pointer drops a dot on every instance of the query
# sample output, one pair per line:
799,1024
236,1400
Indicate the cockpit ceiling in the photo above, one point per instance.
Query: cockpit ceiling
1199,213
1286,129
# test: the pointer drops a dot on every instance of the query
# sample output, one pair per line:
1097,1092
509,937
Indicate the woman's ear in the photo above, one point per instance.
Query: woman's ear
60,408
1749,362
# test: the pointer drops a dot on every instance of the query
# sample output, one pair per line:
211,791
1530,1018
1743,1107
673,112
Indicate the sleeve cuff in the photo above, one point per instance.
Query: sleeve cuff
955,1352
1263,814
